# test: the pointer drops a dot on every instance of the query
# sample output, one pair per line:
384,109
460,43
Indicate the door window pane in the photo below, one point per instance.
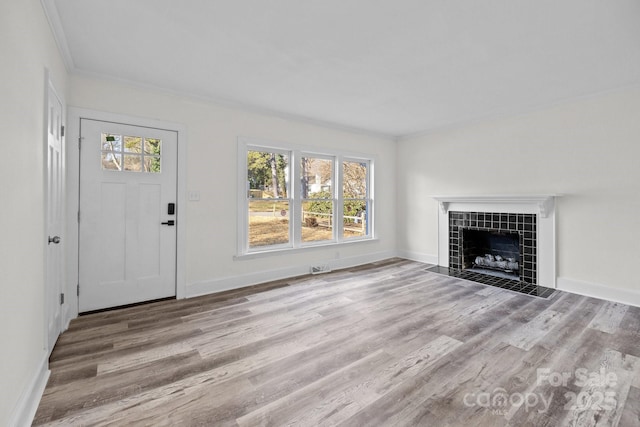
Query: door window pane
132,163
132,144
152,164
111,142
111,161
152,146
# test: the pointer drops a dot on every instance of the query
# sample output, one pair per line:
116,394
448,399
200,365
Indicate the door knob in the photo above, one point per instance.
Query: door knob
54,239
170,223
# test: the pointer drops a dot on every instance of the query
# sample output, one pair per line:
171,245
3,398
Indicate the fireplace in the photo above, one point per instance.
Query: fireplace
491,252
529,218
493,243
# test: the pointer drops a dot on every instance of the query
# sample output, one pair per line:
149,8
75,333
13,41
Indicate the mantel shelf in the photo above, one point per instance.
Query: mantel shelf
544,202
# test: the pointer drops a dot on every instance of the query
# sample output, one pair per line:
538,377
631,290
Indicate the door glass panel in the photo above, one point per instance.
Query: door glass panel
152,155
111,142
111,161
152,164
152,146
132,144
130,153
132,163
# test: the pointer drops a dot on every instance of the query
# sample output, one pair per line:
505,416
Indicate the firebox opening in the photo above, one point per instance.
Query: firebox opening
496,253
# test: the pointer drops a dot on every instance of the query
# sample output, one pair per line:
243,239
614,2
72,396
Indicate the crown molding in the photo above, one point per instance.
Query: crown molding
53,17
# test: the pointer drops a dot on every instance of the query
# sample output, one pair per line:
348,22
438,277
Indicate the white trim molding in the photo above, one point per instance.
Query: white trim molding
541,205
237,281
53,17
595,290
418,256
27,405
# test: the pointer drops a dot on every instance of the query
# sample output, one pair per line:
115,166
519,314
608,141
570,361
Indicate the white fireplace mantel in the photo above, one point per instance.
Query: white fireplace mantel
542,205
544,202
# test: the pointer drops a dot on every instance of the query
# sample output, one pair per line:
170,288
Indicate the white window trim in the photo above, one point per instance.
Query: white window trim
295,216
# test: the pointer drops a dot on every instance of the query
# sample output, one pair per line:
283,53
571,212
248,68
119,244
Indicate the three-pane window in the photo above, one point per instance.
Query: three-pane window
296,198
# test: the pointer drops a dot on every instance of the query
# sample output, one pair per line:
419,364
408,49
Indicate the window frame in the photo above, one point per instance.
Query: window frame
296,153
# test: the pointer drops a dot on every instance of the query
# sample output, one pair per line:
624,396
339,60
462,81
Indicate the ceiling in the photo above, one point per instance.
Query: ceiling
390,67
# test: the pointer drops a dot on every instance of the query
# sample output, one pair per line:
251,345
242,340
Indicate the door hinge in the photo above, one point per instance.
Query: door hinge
79,143
61,130
78,216
61,299
78,290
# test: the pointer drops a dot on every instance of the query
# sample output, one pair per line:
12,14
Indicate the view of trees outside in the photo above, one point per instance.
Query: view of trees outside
269,198
268,213
152,154
355,197
316,176
130,153
267,172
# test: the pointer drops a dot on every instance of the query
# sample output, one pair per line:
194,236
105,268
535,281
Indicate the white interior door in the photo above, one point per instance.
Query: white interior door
55,217
128,177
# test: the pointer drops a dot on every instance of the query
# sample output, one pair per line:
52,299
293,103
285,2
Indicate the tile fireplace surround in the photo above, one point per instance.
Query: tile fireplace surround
524,224
532,216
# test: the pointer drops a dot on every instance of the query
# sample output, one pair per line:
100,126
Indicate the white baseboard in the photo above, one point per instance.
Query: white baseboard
624,296
420,257
29,400
242,280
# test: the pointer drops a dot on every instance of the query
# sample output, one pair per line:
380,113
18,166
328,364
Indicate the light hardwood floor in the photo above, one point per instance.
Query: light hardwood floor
383,344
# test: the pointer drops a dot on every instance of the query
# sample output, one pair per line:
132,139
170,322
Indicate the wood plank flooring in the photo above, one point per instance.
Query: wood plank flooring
387,343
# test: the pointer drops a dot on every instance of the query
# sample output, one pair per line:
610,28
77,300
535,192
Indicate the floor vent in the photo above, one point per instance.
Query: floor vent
318,269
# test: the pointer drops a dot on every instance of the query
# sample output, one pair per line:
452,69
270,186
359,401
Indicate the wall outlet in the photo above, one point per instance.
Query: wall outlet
321,268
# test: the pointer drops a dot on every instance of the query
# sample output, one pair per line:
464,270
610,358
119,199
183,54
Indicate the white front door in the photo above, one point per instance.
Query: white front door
55,217
128,177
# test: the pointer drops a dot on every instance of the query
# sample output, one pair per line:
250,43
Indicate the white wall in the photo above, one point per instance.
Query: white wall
26,48
588,150
212,132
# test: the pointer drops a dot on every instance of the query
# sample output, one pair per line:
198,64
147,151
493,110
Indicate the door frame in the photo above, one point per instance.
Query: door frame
74,115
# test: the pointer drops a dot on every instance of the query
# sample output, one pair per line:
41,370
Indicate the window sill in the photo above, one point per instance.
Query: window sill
288,251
